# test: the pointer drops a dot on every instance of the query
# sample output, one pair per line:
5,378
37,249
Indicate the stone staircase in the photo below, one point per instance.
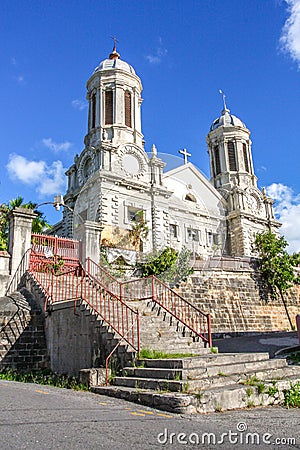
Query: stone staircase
160,331
206,383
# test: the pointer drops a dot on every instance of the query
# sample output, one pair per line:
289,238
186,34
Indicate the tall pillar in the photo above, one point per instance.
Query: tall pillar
19,237
89,233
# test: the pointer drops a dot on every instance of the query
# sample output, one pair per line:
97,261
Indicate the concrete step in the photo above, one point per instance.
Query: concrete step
212,400
241,378
200,378
155,384
205,360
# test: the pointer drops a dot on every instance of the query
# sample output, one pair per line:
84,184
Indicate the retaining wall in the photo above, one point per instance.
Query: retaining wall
239,301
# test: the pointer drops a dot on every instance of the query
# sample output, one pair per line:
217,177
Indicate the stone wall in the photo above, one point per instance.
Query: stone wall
4,271
22,337
239,302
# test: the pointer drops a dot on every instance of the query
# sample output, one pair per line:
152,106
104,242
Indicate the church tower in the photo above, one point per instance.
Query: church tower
249,210
114,96
113,178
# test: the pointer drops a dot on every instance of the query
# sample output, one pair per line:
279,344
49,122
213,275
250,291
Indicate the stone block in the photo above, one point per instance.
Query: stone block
93,377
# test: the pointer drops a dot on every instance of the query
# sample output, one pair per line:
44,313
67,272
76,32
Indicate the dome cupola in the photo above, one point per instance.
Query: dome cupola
226,119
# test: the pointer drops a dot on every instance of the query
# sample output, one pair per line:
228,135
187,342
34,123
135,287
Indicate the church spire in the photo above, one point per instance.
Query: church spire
114,54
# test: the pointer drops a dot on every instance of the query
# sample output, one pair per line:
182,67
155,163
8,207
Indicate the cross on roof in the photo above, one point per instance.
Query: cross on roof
185,155
114,38
224,99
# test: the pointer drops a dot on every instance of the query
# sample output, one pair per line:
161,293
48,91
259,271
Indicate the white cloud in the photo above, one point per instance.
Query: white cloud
56,146
287,210
46,179
290,37
19,79
158,55
79,104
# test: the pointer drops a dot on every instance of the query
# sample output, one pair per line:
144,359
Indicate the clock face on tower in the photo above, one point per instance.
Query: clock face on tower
132,161
252,202
130,164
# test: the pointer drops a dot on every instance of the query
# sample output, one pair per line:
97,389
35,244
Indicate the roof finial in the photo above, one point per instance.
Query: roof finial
114,54
224,102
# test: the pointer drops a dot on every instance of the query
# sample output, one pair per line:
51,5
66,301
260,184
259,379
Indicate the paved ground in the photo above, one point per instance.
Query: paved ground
267,342
37,417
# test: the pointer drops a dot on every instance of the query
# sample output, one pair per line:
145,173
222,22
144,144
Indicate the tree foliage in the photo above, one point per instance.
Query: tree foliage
169,265
276,265
39,223
159,262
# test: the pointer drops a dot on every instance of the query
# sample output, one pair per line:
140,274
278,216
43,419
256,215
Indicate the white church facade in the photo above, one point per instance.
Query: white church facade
114,179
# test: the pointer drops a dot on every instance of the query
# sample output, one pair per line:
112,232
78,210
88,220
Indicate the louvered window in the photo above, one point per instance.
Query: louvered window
246,161
217,160
93,111
231,156
108,107
127,101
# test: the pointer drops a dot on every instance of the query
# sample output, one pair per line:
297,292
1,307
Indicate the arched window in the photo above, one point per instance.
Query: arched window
127,103
217,160
108,107
246,161
231,156
93,111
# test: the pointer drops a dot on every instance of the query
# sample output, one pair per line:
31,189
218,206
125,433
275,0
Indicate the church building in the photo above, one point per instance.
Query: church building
114,184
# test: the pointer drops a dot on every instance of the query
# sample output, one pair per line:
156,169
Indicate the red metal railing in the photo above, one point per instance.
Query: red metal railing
152,288
77,284
53,248
17,276
109,282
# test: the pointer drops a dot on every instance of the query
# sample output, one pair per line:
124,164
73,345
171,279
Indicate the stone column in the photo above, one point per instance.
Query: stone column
89,233
20,225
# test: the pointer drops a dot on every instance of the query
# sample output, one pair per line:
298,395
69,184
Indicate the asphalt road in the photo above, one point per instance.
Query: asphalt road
41,417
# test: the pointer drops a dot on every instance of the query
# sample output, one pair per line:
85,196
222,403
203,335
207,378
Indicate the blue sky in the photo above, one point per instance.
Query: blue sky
184,51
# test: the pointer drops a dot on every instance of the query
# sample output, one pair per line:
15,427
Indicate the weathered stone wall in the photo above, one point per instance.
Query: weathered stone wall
22,337
238,301
4,271
77,340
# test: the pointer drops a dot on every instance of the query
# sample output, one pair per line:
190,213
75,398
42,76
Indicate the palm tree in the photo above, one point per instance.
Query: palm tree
39,223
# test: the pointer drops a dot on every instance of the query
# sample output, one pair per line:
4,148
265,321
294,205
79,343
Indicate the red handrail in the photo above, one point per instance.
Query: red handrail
53,247
77,283
152,288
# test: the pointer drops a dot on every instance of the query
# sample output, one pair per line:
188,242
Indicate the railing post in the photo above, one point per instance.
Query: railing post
152,287
209,330
55,245
138,334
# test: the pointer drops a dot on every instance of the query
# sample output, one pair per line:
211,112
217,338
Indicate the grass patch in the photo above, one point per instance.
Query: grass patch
45,377
147,353
292,396
273,390
222,374
294,358
249,391
261,388
251,381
